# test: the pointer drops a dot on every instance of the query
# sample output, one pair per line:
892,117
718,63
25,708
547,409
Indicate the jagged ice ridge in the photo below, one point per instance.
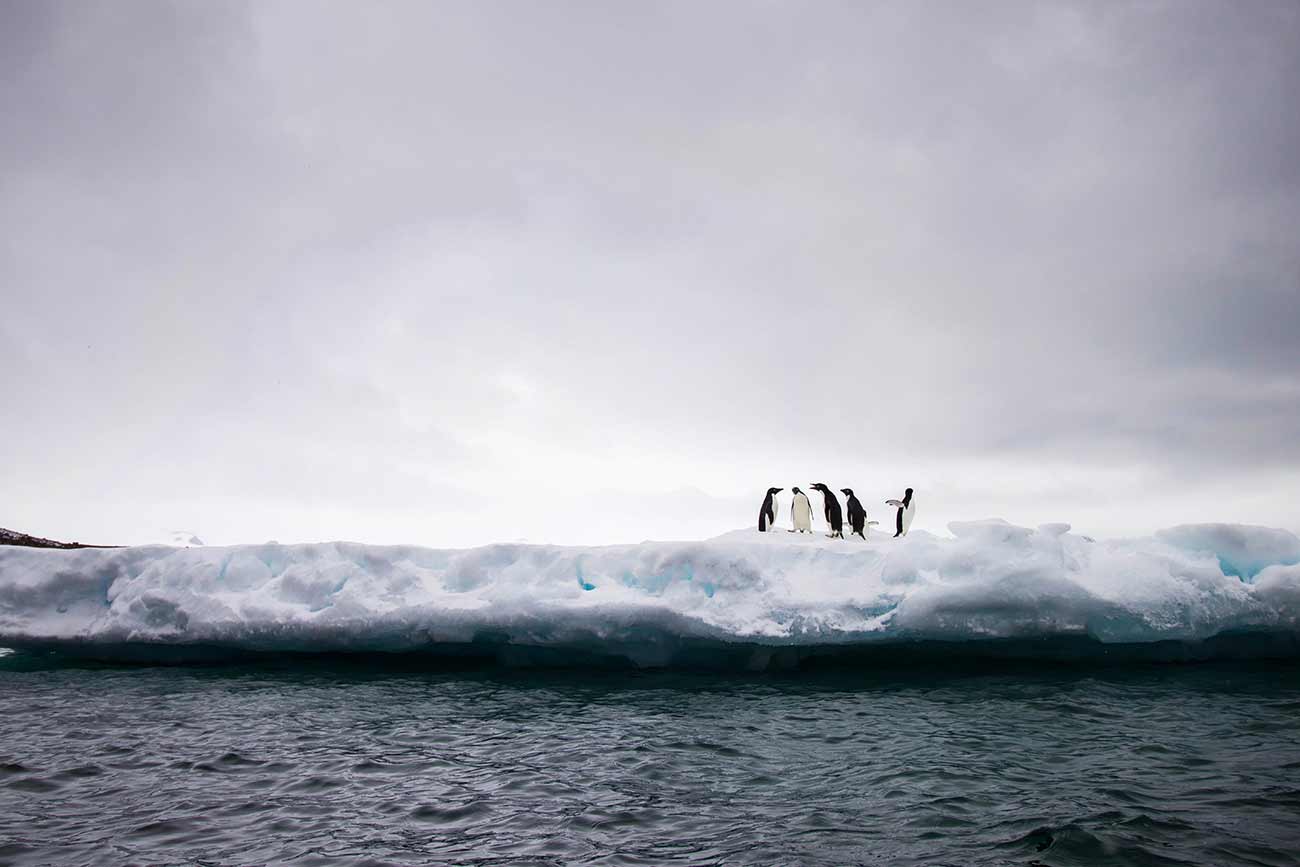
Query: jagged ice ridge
745,598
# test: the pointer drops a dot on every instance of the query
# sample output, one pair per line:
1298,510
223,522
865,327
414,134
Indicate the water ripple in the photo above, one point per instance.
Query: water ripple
310,765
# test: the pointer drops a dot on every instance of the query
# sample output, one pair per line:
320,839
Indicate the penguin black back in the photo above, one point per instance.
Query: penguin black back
767,512
902,508
857,514
834,517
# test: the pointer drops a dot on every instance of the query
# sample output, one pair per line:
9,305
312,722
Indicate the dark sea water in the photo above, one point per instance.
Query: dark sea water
354,762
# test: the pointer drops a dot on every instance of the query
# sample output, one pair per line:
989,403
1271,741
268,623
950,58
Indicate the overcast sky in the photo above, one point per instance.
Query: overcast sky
460,272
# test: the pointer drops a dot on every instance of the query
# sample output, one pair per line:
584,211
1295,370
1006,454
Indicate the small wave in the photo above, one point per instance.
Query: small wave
473,811
1073,843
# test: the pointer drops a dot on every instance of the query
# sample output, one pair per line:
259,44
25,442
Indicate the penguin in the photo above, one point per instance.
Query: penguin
906,511
857,514
834,517
767,512
801,512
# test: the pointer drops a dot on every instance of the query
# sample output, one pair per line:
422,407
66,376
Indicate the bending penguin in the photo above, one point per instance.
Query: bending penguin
906,512
834,517
767,512
857,515
801,512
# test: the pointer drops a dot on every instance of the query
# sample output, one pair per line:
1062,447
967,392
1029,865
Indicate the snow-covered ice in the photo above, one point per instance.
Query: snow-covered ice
175,539
648,603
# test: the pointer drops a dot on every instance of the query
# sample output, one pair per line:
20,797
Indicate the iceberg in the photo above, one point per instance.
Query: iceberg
746,599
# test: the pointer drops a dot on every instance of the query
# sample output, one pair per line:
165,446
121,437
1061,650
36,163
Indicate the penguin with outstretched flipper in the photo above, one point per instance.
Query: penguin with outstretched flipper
857,514
906,511
831,505
767,512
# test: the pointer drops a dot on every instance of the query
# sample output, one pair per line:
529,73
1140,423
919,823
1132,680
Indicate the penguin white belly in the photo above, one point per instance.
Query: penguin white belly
802,513
908,514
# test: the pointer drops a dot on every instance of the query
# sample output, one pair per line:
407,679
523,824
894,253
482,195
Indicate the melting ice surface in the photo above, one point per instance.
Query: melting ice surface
747,596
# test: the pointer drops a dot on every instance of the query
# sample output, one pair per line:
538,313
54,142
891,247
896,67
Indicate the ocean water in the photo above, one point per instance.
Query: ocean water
369,761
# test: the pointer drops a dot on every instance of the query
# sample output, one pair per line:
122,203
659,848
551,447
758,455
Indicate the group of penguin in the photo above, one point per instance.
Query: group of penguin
801,512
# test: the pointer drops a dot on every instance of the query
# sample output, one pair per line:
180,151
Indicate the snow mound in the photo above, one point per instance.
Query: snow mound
745,595
177,539
1241,550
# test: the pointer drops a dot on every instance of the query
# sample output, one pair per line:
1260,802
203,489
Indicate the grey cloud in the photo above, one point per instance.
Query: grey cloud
713,237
